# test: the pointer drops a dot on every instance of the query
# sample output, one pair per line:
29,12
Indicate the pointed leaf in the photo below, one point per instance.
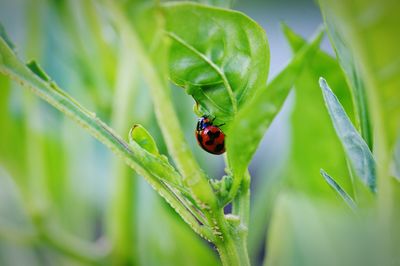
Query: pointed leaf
355,147
356,84
338,189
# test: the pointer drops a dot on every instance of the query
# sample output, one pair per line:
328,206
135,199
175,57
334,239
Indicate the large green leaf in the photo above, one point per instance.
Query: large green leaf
249,126
315,144
307,123
356,148
220,57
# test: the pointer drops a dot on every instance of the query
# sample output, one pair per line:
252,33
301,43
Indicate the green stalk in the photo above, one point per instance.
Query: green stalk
232,244
241,204
237,236
233,252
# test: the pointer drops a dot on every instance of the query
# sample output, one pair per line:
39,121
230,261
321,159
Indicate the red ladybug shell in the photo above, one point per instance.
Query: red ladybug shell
210,137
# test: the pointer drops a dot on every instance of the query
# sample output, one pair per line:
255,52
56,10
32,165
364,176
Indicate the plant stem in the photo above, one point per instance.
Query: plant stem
232,244
241,204
233,252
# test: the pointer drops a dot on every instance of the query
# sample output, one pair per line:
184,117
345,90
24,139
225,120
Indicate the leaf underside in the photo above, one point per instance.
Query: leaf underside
219,56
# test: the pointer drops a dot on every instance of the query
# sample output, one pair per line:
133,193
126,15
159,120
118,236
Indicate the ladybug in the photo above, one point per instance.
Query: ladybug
210,137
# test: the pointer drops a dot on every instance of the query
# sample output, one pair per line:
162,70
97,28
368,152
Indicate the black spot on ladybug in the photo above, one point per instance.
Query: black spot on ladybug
213,135
210,141
199,138
219,147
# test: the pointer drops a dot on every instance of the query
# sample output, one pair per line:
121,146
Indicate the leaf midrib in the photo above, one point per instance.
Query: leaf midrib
210,63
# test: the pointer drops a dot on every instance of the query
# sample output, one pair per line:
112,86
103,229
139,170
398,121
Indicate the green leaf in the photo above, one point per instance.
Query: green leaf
311,128
356,148
251,122
366,32
356,84
369,28
219,56
143,138
338,189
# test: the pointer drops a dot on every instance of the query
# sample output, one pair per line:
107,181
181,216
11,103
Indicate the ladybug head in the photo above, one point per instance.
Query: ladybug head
205,119
203,122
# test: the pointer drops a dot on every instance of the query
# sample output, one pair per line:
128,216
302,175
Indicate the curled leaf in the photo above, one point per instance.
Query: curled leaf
143,138
35,68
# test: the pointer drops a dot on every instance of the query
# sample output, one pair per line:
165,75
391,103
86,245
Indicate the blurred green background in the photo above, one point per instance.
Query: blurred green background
52,171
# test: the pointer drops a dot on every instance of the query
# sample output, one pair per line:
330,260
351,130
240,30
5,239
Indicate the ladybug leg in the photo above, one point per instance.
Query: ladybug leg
212,121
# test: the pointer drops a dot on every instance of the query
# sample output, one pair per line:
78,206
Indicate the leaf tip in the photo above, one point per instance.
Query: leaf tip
325,175
285,27
322,172
322,81
323,84
5,37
